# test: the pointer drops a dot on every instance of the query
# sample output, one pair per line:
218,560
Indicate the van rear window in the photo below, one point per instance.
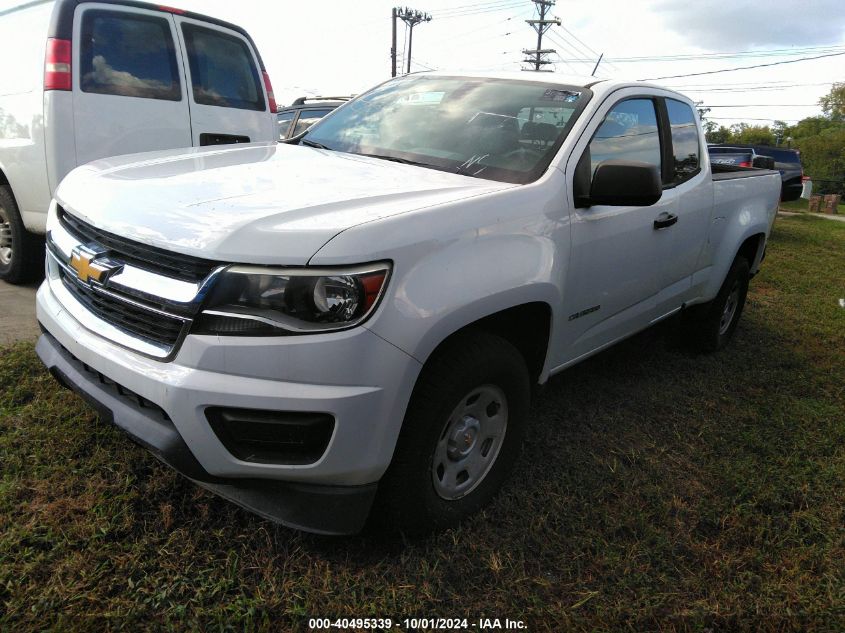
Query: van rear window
222,69
129,55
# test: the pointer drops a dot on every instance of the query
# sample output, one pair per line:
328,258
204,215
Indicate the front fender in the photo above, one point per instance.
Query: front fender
459,263
455,286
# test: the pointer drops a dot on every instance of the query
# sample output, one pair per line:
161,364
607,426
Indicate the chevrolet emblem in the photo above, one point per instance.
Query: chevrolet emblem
83,261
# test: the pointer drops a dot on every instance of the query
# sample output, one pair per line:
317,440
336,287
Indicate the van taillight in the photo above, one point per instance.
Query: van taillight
745,163
270,96
57,65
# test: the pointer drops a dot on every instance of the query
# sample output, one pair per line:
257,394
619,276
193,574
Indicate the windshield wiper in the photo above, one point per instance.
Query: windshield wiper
404,161
305,141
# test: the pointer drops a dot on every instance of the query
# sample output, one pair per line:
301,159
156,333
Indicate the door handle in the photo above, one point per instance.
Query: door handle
665,220
218,138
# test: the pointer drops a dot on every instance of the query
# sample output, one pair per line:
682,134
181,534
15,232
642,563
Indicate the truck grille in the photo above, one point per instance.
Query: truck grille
141,322
168,263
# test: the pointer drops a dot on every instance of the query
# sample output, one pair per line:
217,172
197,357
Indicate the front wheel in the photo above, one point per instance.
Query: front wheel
711,325
460,437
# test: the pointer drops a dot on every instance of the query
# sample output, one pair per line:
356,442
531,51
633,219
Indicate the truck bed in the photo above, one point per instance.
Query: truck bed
721,171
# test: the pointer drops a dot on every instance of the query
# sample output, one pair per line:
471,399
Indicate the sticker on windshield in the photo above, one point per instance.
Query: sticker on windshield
567,96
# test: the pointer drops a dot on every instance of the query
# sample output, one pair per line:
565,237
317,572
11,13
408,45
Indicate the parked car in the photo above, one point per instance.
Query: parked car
786,161
83,80
308,329
305,112
739,157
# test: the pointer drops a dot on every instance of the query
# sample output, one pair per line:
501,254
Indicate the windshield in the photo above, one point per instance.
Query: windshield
498,129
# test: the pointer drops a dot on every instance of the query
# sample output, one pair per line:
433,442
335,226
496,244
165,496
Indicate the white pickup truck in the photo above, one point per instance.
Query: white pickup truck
359,316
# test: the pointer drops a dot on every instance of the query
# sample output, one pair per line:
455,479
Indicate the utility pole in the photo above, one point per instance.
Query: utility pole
541,26
411,17
393,45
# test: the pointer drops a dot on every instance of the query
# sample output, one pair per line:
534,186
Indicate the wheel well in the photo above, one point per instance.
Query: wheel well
3,179
527,327
750,247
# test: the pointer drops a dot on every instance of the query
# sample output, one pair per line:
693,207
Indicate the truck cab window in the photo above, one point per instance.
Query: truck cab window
129,55
685,145
628,132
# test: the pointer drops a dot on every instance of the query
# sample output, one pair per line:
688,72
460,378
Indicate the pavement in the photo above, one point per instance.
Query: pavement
838,218
17,313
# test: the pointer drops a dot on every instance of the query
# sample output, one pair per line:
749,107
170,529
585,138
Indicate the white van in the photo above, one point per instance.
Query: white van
82,80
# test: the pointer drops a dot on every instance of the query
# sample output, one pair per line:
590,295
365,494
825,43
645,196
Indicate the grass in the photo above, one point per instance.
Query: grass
803,205
658,490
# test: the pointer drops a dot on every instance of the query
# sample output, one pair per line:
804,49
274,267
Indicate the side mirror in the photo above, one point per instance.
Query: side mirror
624,183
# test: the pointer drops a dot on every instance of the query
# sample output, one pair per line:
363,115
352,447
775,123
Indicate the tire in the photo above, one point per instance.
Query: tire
710,326
476,391
21,252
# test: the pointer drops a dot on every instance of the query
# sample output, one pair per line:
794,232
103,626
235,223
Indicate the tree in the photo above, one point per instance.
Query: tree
833,104
716,133
746,134
781,132
823,159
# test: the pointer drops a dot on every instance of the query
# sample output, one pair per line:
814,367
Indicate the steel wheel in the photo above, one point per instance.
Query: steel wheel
470,442
730,309
5,238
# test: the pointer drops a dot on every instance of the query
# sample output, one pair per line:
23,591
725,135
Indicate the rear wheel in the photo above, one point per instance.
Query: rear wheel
711,325
21,252
461,435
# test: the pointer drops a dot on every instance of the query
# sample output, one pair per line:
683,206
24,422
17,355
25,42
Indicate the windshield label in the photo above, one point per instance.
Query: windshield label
566,96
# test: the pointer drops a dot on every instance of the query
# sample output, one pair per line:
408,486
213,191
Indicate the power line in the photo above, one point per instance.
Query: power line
471,7
728,70
744,83
746,118
456,37
776,52
509,4
762,88
766,105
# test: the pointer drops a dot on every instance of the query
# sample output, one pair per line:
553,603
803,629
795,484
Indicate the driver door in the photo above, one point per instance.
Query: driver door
617,253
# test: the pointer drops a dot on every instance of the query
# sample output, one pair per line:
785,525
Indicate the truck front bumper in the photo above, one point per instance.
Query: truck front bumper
162,407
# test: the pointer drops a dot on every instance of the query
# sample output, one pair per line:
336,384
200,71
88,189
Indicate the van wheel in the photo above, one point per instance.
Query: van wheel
21,252
711,325
461,436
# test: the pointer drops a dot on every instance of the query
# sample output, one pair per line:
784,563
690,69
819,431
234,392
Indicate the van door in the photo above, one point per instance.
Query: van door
227,97
128,95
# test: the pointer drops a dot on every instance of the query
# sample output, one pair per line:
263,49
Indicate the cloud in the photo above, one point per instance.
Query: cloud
742,24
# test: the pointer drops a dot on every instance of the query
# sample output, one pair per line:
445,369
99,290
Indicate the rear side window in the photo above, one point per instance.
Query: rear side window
283,121
307,118
628,132
685,147
222,70
129,55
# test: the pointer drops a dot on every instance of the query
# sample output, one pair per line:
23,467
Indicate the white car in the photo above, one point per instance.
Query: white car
82,80
359,316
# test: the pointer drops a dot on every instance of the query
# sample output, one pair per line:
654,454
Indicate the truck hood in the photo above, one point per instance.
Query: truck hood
256,203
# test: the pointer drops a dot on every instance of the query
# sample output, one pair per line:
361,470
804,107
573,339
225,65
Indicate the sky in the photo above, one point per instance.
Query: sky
343,46
336,47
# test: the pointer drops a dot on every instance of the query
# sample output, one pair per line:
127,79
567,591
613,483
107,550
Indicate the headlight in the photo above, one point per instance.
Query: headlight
256,301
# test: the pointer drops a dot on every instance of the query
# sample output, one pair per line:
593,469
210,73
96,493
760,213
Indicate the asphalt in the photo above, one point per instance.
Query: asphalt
17,313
